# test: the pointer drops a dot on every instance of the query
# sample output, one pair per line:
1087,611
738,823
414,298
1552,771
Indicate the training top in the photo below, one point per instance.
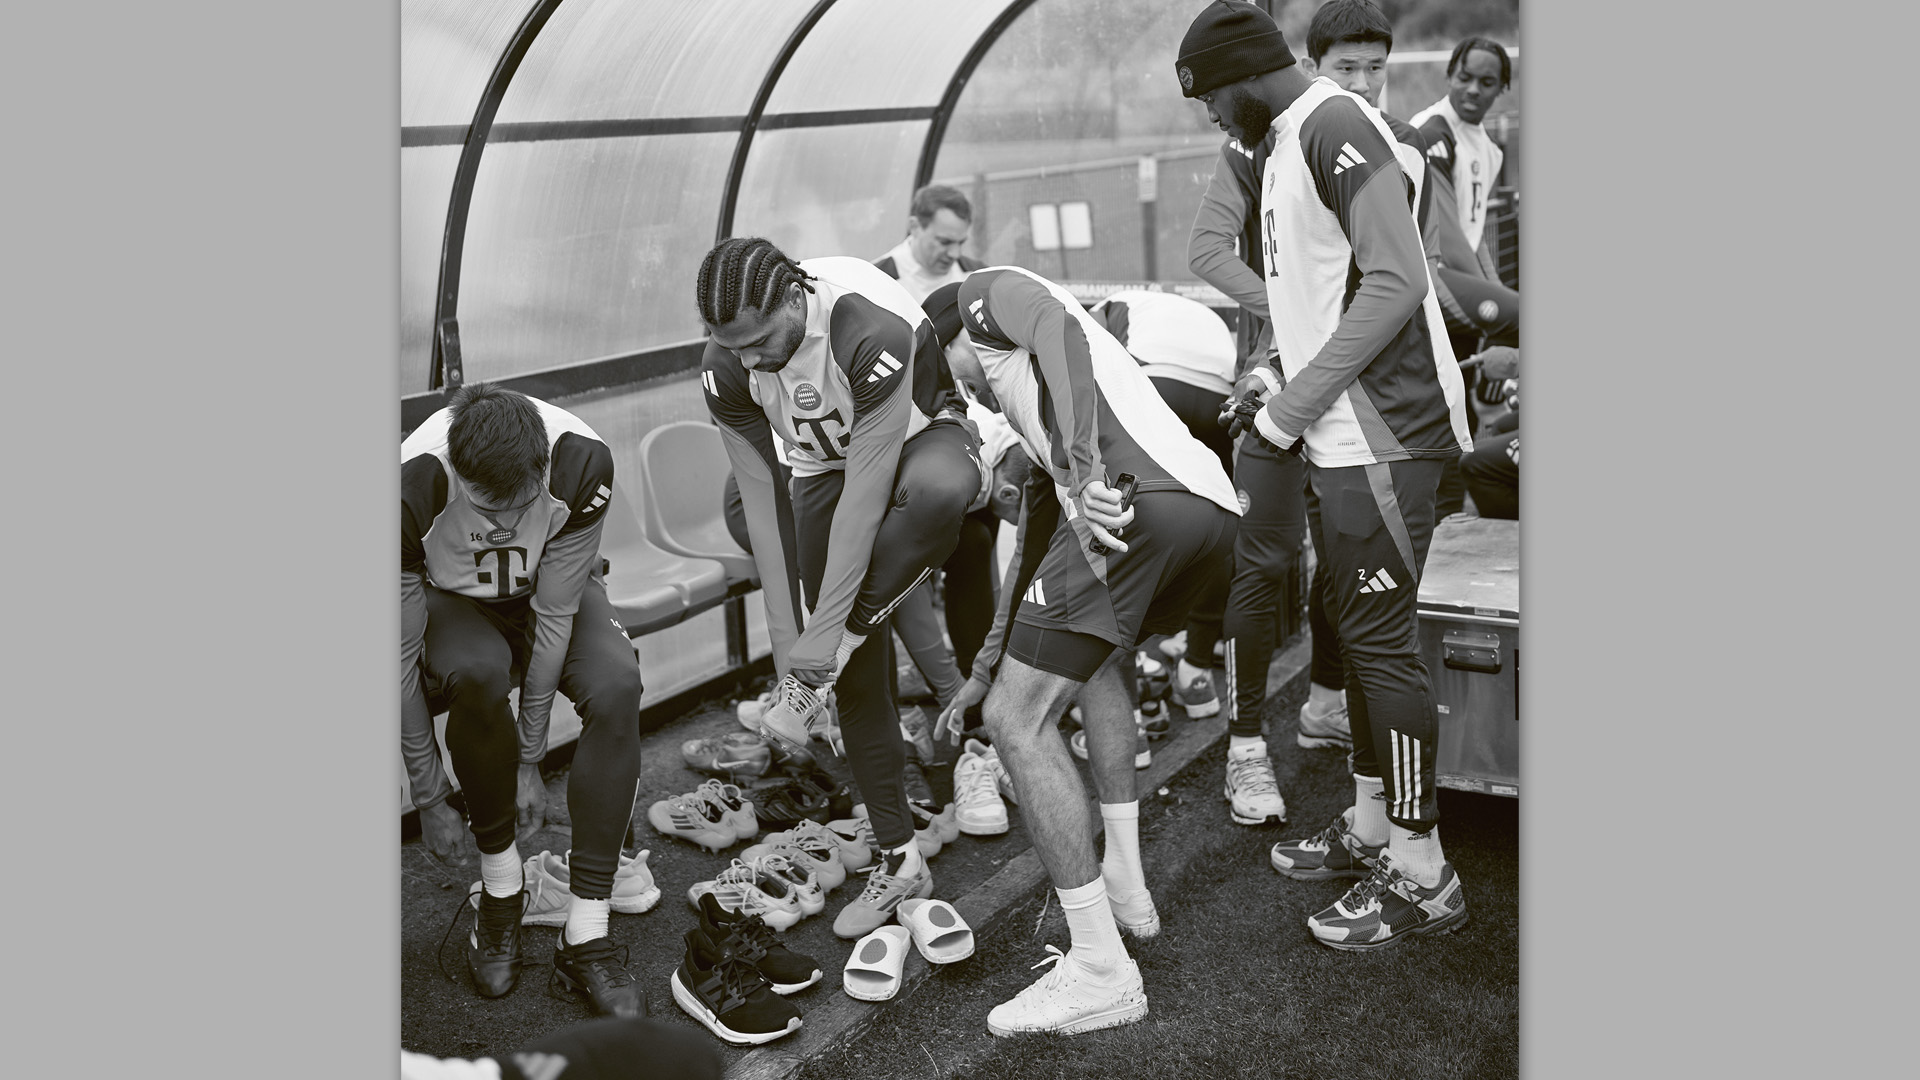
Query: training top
919,281
868,376
1367,370
446,543
1171,336
1468,157
1079,403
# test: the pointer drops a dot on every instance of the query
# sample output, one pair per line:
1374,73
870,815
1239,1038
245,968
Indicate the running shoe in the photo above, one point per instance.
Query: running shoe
1152,680
798,877
1155,719
748,936
549,889
874,907
1253,792
735,756
1174,648
1142,752
745,889
1068,1000
798,713
597,970
786,802
817,854
751,711
943,824
1000,774
493,946
1388,907
693,819
915,781
736,812
722,989
855,836
1333,852
1196,694
979,808
1328,729
1134,912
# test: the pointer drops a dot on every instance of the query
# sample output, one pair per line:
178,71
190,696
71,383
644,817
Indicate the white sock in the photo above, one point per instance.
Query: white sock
912,862
1241,742
1188,673
1418,854
1096,936
586,920
849,641
1120,867
500,873
1324,699
1370,810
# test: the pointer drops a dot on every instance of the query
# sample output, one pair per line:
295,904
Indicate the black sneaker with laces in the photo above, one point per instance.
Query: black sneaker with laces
718,986
493,947
597,969
749,936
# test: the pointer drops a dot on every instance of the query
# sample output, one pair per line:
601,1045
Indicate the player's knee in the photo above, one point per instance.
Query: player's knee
476,684
614,699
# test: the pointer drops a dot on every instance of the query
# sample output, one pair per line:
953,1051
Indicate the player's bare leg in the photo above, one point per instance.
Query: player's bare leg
1107,711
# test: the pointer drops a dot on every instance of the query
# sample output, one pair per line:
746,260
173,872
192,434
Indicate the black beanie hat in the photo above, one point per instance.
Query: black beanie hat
943,307
1227,42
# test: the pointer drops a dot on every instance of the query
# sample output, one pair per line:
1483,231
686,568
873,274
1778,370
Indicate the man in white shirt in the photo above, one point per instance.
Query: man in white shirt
937,229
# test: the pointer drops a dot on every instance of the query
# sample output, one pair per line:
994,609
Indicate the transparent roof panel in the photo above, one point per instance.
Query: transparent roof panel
869,54
448,48
630,59
426,179
830,191
586,248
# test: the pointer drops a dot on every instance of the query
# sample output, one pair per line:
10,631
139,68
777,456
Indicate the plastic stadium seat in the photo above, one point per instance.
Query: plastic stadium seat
650,588
685,467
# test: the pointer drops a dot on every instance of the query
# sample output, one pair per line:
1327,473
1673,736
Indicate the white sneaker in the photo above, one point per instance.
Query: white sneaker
1000,774
1253,793
1142,752
1068,1001
976,794
750,712
1328,729
1134,912
797,714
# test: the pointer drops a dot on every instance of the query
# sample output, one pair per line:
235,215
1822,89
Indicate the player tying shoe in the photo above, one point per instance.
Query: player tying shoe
502,498
1373,397
836,358
1082,600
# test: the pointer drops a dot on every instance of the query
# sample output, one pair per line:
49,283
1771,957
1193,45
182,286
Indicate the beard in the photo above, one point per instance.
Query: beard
1250,116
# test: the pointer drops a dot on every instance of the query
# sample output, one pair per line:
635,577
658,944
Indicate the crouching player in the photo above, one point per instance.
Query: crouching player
1096,575
837,359
502,498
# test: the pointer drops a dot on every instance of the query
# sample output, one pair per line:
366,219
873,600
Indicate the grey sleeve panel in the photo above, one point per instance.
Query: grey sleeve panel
427,782
564,568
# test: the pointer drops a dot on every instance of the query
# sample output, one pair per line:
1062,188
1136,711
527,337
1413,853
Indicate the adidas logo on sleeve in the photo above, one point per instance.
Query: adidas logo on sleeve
1349,157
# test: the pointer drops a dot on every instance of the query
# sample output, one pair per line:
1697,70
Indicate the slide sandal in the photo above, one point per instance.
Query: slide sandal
939,932
873,971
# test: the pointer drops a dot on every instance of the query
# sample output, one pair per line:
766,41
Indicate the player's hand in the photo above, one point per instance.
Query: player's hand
1249,394
815,678
953,718
1498,363
442,830
530,803
1100,505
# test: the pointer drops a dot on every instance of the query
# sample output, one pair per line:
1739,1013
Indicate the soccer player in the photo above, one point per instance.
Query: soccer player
837,359
937,228
1082,600
1463,157
502,498
1369,392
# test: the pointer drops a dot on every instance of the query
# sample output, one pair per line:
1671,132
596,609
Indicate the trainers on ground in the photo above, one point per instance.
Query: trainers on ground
722,989
597,969
1068,1000
798,713
744,889
1196,695
1155,719
1142,752
943,825
1151,678
751,712
736,756
1000,774
693,819
1328,729
917,729
915,783
1388,906
798,876
1134,912
979,809
1253,792
855,836
493,946
873,908
549,884
1333,852
819,855
736,812
1175,647
786,971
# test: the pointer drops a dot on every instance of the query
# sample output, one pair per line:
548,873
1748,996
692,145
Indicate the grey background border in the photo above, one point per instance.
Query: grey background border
202,332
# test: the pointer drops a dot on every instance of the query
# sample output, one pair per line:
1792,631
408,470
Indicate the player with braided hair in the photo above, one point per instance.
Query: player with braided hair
836,359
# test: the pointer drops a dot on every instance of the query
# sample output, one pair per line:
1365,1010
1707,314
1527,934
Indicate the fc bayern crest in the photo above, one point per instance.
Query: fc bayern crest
806,396
1186,78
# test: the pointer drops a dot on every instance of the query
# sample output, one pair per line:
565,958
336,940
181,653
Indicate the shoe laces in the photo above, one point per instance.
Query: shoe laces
975,782
1055,980
879,882
723,795
1254,776
490,923
1379,880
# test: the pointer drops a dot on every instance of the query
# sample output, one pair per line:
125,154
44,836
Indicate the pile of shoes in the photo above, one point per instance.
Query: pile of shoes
716,815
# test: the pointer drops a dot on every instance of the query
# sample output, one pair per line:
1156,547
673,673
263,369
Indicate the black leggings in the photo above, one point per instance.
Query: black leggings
1200,410
477,652
969,572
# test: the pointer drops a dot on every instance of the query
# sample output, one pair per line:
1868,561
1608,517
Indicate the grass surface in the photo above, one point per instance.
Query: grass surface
1236,985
